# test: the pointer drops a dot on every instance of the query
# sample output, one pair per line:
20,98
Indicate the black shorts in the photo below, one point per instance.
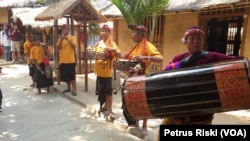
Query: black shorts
103,87
67,72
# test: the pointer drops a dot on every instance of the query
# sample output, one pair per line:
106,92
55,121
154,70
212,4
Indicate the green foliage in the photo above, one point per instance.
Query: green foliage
40,1
56,0
93,29
133,11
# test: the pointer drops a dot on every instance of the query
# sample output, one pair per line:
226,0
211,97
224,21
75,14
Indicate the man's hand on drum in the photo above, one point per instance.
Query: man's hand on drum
135,70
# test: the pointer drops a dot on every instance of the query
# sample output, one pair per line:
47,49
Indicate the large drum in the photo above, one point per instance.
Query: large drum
124,64
212,88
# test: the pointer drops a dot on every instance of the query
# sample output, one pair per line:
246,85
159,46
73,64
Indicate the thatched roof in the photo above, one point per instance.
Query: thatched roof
109,10
193,5
80,10
15,3
27,16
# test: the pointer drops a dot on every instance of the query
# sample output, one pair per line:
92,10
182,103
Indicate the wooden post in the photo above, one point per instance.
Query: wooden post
85,49
55,53
79,50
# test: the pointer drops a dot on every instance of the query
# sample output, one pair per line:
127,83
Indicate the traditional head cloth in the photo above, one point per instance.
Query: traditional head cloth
35,38
194,30
140,28
28,34
105,27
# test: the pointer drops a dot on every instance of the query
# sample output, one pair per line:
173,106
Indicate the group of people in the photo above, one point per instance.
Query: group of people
143,51
37,56
10,40
146,53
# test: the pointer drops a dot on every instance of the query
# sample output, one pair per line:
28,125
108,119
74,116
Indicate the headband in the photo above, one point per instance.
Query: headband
192,31
139,28
105,27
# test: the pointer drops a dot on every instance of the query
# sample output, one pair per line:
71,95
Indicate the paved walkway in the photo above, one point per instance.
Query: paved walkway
88,99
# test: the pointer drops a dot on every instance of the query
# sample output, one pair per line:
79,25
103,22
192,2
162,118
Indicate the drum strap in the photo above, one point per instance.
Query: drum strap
143,49
193,59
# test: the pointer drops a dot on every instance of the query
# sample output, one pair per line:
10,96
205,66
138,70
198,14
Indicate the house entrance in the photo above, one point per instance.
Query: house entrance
224,35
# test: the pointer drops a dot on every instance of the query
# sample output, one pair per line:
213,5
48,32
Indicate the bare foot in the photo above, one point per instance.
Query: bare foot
144,132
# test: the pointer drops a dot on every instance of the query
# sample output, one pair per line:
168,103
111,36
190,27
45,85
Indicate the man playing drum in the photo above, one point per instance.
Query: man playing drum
145,53
193,38
104,68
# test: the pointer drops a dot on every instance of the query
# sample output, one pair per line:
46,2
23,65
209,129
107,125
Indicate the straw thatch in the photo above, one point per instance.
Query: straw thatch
15,3
107,8
193,5
80,10
27,16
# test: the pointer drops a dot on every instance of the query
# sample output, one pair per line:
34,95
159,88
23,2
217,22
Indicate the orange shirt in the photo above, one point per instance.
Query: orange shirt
145,48
27,47
37,53
104,68
67,53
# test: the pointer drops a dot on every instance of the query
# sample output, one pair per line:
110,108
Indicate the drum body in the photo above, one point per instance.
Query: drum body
91,54
213,88
124,65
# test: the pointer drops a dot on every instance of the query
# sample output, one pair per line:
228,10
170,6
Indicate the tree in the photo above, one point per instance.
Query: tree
135,11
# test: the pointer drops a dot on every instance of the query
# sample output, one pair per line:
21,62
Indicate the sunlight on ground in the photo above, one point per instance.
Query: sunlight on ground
77,138
242,113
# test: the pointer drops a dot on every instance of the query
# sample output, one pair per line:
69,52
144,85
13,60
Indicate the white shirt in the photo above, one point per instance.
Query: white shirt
3,39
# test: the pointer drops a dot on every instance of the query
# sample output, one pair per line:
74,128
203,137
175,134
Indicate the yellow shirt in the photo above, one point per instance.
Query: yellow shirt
27,47
104,68
37,53
67,53
145,48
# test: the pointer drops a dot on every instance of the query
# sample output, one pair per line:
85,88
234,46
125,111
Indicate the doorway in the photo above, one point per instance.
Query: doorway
224,35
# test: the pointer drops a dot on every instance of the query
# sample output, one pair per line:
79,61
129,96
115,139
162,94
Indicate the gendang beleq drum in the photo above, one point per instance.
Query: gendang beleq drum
212,88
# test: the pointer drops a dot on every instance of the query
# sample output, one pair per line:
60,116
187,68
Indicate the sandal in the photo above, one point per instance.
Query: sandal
112,115
102,110
74,93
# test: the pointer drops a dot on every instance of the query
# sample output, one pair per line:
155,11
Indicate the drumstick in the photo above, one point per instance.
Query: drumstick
120,86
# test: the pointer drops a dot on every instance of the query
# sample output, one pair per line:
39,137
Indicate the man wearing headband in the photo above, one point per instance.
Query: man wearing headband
193,38
146,53
104,69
